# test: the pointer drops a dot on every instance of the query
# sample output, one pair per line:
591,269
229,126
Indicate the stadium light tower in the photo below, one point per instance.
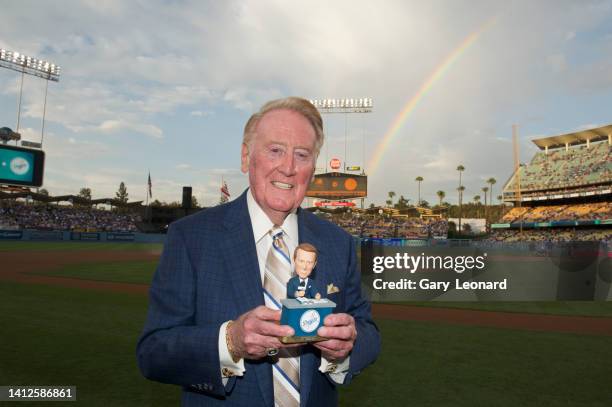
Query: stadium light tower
346,105
32,66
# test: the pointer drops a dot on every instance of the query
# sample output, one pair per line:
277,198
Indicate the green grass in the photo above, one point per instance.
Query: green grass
67,336
573,308
137,272
77,246
430,364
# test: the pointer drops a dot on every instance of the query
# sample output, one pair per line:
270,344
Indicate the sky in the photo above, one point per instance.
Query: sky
166,87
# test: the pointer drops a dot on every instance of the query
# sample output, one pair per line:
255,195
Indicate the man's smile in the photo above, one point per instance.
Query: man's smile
282,185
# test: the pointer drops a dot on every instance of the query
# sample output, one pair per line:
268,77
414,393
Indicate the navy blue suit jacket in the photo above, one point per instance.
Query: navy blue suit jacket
311,288
208,274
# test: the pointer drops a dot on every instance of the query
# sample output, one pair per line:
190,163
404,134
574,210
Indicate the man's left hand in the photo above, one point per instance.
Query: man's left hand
341,333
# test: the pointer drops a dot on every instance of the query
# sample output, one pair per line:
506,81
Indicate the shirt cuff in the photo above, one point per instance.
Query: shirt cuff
229,368
336,370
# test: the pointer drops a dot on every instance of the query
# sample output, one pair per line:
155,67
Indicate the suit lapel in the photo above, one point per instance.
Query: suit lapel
240,255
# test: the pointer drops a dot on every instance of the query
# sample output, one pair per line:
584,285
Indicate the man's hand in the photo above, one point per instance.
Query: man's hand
255,331
341,333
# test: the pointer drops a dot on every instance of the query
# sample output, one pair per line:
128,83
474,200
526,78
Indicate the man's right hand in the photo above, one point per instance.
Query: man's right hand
256,331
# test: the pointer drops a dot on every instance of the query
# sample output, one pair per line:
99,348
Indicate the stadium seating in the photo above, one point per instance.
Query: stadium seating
69,218
587,211
551,235
579,166
387,227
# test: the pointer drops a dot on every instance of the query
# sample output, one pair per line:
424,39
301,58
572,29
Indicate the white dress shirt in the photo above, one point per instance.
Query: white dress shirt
263,241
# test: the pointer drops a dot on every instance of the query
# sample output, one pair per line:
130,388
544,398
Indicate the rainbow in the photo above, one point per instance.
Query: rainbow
437,73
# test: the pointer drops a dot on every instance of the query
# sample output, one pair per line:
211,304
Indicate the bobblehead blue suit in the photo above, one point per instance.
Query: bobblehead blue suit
209,274
310,291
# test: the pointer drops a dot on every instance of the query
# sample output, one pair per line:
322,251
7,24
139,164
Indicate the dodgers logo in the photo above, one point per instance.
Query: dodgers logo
309,321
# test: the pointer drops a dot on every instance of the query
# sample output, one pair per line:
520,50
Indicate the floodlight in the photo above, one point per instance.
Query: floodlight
344,105
32,66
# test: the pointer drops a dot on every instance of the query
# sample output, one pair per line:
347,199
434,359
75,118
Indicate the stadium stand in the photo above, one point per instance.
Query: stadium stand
398,226
564,193
16,215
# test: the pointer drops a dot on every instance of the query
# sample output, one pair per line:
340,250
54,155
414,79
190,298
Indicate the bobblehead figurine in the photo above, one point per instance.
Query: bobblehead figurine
302,285
304,309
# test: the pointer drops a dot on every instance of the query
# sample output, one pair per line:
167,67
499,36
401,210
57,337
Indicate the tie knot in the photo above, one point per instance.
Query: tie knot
276,233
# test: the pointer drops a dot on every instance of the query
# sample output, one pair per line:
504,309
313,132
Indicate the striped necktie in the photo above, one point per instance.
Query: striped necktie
285,370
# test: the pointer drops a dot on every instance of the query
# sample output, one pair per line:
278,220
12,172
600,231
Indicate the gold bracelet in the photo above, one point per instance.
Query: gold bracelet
228,342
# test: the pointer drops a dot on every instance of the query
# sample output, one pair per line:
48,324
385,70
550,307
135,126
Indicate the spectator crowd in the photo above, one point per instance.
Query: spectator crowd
551,235
65,218
577,167
376,226
588,211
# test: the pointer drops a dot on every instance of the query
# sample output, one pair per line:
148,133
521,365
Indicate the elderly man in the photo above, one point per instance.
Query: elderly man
213,322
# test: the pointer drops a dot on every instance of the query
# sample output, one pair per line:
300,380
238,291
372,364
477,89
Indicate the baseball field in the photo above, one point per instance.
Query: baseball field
71,313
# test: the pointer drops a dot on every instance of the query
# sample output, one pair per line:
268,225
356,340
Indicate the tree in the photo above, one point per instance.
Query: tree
194,202
499,198
484,191
389,202
424,204
491,181
477,202
391,195
460,168
122,194
44,192
402,203
85,193
441,195
460,190
419,179
372,206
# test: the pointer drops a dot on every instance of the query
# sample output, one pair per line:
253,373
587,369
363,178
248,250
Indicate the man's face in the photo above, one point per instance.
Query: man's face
280,162
304,263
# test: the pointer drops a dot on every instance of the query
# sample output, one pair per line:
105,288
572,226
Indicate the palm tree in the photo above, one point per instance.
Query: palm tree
460,168
485,190
460,189
441,195
477,202
391,195
491,181
419,179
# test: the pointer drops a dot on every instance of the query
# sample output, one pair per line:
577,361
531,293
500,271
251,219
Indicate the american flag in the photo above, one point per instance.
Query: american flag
225,195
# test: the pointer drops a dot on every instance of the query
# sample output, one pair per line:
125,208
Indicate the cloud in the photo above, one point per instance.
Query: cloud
200,113
115,126
136,71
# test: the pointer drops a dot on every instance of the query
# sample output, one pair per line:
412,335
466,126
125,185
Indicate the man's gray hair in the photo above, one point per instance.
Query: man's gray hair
298,105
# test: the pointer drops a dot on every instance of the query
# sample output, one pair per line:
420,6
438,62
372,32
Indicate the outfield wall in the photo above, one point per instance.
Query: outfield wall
52,235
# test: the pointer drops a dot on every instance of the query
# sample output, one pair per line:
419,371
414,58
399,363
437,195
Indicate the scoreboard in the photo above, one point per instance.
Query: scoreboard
337,185
21,166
